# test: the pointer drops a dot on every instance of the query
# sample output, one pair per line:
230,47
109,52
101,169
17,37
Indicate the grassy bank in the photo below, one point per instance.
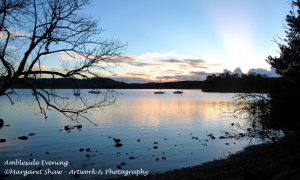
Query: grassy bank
255,162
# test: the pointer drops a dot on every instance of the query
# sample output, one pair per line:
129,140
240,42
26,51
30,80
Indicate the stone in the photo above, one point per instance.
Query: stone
222,137
23,137
79,126
118,144
117,140
67,128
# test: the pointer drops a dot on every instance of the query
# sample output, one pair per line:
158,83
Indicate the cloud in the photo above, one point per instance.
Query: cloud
184,63
41,68
142,64
130,79
147,67
125,59
262,71
169,76
168,66
70,56
200,73
138,61
238,71
164,55
192,76
269,73
13,34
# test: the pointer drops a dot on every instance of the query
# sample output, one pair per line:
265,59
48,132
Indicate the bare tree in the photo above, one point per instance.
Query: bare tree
33,32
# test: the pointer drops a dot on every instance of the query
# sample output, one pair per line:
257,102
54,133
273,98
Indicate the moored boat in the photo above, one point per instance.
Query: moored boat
178,92
94,92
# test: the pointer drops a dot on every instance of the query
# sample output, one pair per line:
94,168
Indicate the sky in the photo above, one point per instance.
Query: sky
170,40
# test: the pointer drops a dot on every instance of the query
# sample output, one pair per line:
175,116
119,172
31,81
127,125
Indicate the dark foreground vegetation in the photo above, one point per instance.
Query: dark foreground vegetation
255,162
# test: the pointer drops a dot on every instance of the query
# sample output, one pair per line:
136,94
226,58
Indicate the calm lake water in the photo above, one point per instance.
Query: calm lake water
177,124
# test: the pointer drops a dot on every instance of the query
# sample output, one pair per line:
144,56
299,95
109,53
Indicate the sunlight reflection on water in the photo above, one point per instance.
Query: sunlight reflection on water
139,118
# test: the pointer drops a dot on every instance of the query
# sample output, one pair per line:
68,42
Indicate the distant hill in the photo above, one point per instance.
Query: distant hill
215,85
98,83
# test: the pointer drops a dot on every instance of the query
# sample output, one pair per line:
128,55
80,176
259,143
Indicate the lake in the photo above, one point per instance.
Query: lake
158,133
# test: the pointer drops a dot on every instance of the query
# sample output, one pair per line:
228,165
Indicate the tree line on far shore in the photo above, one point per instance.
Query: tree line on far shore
251,82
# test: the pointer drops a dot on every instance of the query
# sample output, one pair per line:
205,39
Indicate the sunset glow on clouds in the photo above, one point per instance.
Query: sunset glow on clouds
175,40
153,67
168,66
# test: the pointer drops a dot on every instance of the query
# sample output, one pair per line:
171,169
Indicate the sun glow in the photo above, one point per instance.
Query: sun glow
239,52
236,28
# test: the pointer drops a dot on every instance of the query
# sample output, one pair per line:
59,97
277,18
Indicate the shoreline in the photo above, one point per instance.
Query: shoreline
253,162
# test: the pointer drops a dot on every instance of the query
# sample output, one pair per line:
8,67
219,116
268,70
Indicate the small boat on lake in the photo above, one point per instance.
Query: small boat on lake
159,92
159,86
178,92
94,92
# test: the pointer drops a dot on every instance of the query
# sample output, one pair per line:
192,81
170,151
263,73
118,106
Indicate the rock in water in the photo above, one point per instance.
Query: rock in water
79,126
23,137
2,140
67,128
118,144
117,140
1,123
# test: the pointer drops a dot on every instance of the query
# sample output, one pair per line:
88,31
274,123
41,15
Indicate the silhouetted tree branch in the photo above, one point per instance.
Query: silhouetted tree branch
35,31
